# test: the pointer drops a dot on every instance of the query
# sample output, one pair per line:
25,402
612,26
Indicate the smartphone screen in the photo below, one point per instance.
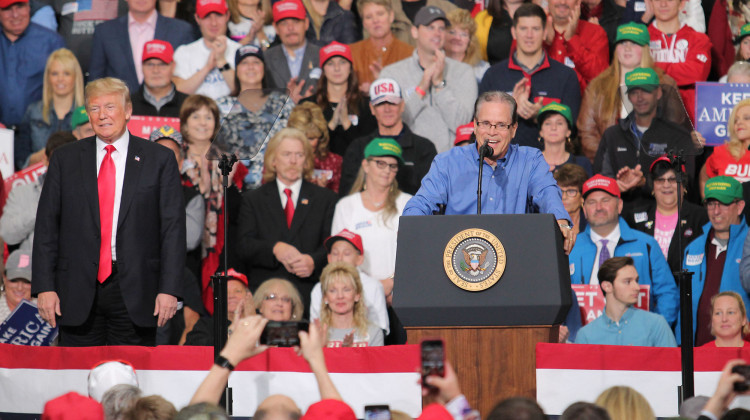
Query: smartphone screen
377,412
433,359
283,333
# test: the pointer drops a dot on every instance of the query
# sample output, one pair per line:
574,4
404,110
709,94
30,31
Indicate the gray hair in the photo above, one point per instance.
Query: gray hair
497,96
118,400
202,411
739,68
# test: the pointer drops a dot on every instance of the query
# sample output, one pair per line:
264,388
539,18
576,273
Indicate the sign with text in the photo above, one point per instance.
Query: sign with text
713,104
6,152
26,327
24,176
143,126
591,300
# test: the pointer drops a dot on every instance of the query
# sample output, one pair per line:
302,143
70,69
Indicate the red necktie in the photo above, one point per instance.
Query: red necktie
106,183
289,209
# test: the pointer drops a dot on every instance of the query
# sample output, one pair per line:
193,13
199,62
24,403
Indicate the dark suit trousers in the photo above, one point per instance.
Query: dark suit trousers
108,323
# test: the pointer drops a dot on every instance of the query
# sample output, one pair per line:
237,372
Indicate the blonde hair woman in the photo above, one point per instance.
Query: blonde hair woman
734,152
625,403
250,22
278,300
308,118
461,43
728,320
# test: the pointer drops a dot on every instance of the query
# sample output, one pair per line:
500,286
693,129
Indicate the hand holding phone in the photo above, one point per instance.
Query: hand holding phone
433,360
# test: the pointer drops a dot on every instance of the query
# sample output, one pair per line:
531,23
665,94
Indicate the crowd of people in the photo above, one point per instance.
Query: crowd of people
346,116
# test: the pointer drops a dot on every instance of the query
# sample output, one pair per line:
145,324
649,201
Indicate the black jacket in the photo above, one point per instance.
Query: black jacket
171,109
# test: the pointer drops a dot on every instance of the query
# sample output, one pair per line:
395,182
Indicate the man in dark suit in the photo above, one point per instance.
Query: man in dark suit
113,55
284,66
109,248
284,222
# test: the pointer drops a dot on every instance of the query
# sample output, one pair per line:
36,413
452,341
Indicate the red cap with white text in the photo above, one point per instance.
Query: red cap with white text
600,182
204,7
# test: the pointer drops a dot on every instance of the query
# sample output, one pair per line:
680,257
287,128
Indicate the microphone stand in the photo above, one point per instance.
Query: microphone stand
483,152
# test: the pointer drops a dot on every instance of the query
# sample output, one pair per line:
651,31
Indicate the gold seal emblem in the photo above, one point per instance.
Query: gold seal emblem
474,259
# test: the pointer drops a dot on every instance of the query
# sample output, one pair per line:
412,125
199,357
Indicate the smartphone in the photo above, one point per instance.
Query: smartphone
283,333
743,370
433,359
377,412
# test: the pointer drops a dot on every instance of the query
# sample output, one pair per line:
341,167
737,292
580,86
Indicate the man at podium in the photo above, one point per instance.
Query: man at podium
515,180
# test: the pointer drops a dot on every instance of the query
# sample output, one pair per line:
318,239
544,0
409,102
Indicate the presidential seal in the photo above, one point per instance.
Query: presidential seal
474,259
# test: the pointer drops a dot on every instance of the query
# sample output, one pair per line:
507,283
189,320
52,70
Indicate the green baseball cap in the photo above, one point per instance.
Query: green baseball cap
744,31
635,32
555,108
79,117
384,147
642,78
724,189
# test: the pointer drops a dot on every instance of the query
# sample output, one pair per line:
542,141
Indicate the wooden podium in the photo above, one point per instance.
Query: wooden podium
490,335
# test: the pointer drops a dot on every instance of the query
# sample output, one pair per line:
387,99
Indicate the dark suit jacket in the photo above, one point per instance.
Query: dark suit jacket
263,224
278,68
111,55
150,230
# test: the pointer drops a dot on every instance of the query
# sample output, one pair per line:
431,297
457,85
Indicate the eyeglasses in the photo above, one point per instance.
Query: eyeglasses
713,204
383,164
486,125
570,192
284,299
667,181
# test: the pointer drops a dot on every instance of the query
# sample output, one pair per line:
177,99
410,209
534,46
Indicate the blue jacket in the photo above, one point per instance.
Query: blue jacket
695,261
649,262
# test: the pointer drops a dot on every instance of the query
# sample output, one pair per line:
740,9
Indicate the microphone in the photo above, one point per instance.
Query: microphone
485,150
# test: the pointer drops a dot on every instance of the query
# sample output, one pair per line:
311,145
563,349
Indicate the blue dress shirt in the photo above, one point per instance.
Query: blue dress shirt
636,328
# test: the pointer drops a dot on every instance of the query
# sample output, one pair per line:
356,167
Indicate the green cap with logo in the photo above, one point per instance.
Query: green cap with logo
724,189
635,32
384,147
79,117
555,108
744,31
642,78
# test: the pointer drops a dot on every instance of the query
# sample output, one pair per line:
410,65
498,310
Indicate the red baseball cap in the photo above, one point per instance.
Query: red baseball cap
348,236
158,49
464,132
73,406
662,159
288,9
7,3
204,7
601,183
236,275
329,410
335,49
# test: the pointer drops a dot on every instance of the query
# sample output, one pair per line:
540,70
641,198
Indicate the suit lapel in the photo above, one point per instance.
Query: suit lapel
89,177
124,40
133,169
303,207
280,66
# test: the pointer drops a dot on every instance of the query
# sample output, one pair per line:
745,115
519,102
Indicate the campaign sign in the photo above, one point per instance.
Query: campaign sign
24,176
26,327
713,104
143,126
591,300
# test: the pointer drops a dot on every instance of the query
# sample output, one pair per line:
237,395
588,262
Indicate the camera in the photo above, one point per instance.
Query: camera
283,333
743,370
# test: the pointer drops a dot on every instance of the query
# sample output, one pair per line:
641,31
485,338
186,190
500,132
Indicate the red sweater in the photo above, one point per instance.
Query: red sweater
587,51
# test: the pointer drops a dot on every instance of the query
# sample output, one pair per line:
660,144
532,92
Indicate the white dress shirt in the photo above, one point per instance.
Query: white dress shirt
119,156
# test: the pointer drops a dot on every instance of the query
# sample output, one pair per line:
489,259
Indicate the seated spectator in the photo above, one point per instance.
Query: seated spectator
556,131
380,47
728,321
80,124
575,42
24,51
346,246
625,403
544,80
739,72
608,235
108,374
584,411
343,311
118,43
278,300
493,29
308,118
461,43
570,178
204,411
330,22
250,22
16,282
604,104
658,217
152,407
118,400
295,63
73,406
517,408
253,114
439,92
19,213
62,93
621,324
464,135
733,157
206,66
345,108
283,223
158,96
387,106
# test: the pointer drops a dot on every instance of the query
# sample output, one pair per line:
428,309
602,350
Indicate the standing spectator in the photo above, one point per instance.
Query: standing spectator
24,50
206,66
556,129
493,29
295,63
308,118
683,52
250,22
743,50
381,47
405,12
577,43
62,93
461,42
329,23
118,44
733,157
533,78
605,13
345,108
439,92
158,95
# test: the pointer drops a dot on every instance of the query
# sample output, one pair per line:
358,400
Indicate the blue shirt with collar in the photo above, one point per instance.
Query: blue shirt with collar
521,182
635,328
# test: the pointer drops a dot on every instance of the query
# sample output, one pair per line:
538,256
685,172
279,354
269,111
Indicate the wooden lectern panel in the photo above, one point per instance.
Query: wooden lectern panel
492,363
